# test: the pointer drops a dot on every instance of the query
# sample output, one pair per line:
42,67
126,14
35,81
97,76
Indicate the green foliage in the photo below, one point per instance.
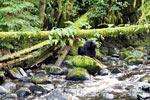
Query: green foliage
63,36
106,11
17,15
145,8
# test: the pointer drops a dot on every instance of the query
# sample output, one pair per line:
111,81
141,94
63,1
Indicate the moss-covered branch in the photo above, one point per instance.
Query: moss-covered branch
81,33
24,51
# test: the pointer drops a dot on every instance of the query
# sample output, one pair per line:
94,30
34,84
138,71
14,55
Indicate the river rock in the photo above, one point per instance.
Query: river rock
16,73
143,96
2,77
11,86
116,71
56,95
77,74
146,88
41,88
55,70
12,96
40,78
108,96
104,72
23,92
3,90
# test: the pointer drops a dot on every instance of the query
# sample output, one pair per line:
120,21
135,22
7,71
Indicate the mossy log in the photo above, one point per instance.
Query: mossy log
14,61
62,57
24,51
133,29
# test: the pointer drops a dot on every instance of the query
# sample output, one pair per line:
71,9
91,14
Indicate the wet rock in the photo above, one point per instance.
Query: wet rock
146,88
88,63
41,88
116,71
104,72
108,96
115,55
25,79
135,61
55,70
2,77
23,92
40,78
78,74
56,95
11,86
17,73
28,85
10,97
3,90
143,96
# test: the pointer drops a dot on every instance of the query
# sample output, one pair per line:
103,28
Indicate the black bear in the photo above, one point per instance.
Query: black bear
88,49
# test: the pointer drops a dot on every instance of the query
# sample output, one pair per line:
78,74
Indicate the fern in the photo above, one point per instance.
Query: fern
18,15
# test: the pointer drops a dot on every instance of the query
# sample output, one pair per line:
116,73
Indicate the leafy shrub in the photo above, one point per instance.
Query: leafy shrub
18,15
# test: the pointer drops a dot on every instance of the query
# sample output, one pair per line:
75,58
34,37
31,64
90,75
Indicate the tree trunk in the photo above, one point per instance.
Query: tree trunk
42,7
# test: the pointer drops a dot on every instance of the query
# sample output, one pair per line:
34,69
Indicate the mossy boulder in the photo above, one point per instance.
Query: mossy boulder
55,70
125,53
132,56
77,74
86,62
40,77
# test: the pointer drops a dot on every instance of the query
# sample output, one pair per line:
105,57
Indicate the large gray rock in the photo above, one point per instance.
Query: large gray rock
10,97
56,95
3,90
23,92
41,88
11,86
40,78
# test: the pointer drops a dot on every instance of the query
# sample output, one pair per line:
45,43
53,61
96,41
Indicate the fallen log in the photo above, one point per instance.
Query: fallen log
14,61
24,51
133,29
62,57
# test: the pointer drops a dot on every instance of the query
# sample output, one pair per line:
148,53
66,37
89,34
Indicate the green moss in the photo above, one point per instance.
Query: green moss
13,71
132,61
139,61
129,57
98,54
83,61
130,48
2,75
78,72
140,48
126,53
39,81
86,62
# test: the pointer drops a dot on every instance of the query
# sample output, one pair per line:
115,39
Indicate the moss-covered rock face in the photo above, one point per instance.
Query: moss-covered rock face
55,70
86,62
77,74
133,55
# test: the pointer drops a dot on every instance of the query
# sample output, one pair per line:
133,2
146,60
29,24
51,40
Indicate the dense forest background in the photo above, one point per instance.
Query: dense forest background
29,15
